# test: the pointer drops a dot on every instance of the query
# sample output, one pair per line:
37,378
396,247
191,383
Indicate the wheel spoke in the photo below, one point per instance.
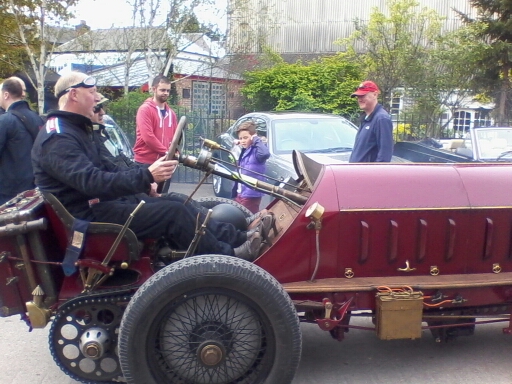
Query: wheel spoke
216,321
210,320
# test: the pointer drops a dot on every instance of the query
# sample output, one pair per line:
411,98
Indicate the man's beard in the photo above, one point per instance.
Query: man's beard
162,98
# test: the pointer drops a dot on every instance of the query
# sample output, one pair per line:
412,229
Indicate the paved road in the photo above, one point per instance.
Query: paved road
361,358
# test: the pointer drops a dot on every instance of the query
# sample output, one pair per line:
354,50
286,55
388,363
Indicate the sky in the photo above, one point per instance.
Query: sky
102,14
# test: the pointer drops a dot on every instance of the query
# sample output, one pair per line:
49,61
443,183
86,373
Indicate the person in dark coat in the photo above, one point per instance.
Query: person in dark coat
19,126
69,163
374,140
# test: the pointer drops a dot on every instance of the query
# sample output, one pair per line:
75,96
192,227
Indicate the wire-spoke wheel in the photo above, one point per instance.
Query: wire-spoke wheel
210,320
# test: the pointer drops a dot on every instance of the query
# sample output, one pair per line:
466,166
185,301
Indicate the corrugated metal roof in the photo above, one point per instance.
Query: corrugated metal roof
306,26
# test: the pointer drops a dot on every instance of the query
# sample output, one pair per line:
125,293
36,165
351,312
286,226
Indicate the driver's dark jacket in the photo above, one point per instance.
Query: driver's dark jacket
67,162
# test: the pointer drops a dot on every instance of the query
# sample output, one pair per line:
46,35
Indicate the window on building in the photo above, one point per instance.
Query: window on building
185,93
461,122
396,102
482,119
209,97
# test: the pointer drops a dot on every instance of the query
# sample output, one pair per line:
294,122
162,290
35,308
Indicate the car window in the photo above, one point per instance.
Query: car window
493,142
313,134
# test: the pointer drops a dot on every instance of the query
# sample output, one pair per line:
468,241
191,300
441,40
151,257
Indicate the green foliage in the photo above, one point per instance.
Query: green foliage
124,110
406,51
397,45
324,85
13,53
494,28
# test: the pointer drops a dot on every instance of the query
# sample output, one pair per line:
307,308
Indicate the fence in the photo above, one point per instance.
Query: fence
199,124
414,128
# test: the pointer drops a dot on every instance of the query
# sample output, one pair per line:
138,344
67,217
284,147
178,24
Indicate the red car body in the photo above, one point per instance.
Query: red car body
414,246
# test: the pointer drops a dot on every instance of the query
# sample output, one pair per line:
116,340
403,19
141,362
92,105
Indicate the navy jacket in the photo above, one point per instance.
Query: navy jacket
374,140
15,145
68,162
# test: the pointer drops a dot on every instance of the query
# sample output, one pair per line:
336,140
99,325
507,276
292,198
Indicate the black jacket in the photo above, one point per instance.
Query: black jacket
15,145
68,162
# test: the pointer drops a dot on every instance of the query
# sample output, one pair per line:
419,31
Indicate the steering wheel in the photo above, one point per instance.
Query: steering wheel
173,147
177,139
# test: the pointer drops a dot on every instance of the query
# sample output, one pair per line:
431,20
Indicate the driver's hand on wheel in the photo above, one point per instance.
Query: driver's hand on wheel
163,169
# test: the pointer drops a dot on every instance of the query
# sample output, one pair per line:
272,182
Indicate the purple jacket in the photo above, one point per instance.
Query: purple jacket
252,159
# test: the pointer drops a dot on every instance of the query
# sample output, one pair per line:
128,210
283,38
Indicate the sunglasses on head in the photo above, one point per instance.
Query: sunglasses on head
88,82
98,108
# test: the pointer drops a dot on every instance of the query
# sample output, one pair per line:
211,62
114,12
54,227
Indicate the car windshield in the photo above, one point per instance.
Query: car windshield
117,137
494,143
313,135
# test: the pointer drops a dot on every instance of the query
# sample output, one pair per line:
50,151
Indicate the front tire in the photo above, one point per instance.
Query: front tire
210,320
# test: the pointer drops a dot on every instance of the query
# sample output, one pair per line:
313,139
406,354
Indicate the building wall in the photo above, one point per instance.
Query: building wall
233,99
310,26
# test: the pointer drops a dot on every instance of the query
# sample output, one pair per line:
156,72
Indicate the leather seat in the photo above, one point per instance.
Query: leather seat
99,236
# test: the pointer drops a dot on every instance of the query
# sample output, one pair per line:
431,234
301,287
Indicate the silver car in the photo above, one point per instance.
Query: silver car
324,137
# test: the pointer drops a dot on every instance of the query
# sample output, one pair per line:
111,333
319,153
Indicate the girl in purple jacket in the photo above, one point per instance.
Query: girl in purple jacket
252,163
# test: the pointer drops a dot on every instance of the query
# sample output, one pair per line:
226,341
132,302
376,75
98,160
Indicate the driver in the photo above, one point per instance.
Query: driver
111,153
67,163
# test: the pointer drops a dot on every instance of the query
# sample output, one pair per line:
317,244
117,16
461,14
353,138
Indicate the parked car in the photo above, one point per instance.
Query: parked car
482,144
323,137
118,137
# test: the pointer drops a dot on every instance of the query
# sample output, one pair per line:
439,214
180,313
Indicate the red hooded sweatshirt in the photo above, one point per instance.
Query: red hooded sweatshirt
154,131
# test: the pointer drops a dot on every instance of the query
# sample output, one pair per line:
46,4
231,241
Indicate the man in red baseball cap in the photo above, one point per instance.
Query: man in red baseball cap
374,140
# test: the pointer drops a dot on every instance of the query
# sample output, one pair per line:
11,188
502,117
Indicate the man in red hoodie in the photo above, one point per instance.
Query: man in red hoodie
156,123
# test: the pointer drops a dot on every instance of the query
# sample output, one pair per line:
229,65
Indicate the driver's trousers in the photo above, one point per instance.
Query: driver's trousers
160,217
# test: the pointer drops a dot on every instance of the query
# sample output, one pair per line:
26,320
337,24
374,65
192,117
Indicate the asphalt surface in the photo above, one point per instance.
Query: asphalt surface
360,359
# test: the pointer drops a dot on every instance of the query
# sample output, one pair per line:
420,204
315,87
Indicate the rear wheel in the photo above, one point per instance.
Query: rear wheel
210,319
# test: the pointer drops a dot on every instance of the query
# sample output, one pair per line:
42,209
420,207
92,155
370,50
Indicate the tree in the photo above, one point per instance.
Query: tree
324,85
98,46
407,52
393,48
162,47
32,19
494,23
13,54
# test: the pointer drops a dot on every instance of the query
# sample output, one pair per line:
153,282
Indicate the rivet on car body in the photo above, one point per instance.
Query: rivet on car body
349,273
434,271
496,268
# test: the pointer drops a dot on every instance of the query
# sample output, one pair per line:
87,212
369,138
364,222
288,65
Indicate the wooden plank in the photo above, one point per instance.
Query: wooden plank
360,284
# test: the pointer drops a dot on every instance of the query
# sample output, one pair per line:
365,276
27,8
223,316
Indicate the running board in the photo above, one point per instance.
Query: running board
360,284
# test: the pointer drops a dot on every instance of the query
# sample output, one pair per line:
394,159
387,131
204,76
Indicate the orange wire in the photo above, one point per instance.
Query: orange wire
383,288
438,304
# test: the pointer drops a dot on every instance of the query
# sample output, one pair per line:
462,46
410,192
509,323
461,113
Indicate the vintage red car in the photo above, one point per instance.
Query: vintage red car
412,246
